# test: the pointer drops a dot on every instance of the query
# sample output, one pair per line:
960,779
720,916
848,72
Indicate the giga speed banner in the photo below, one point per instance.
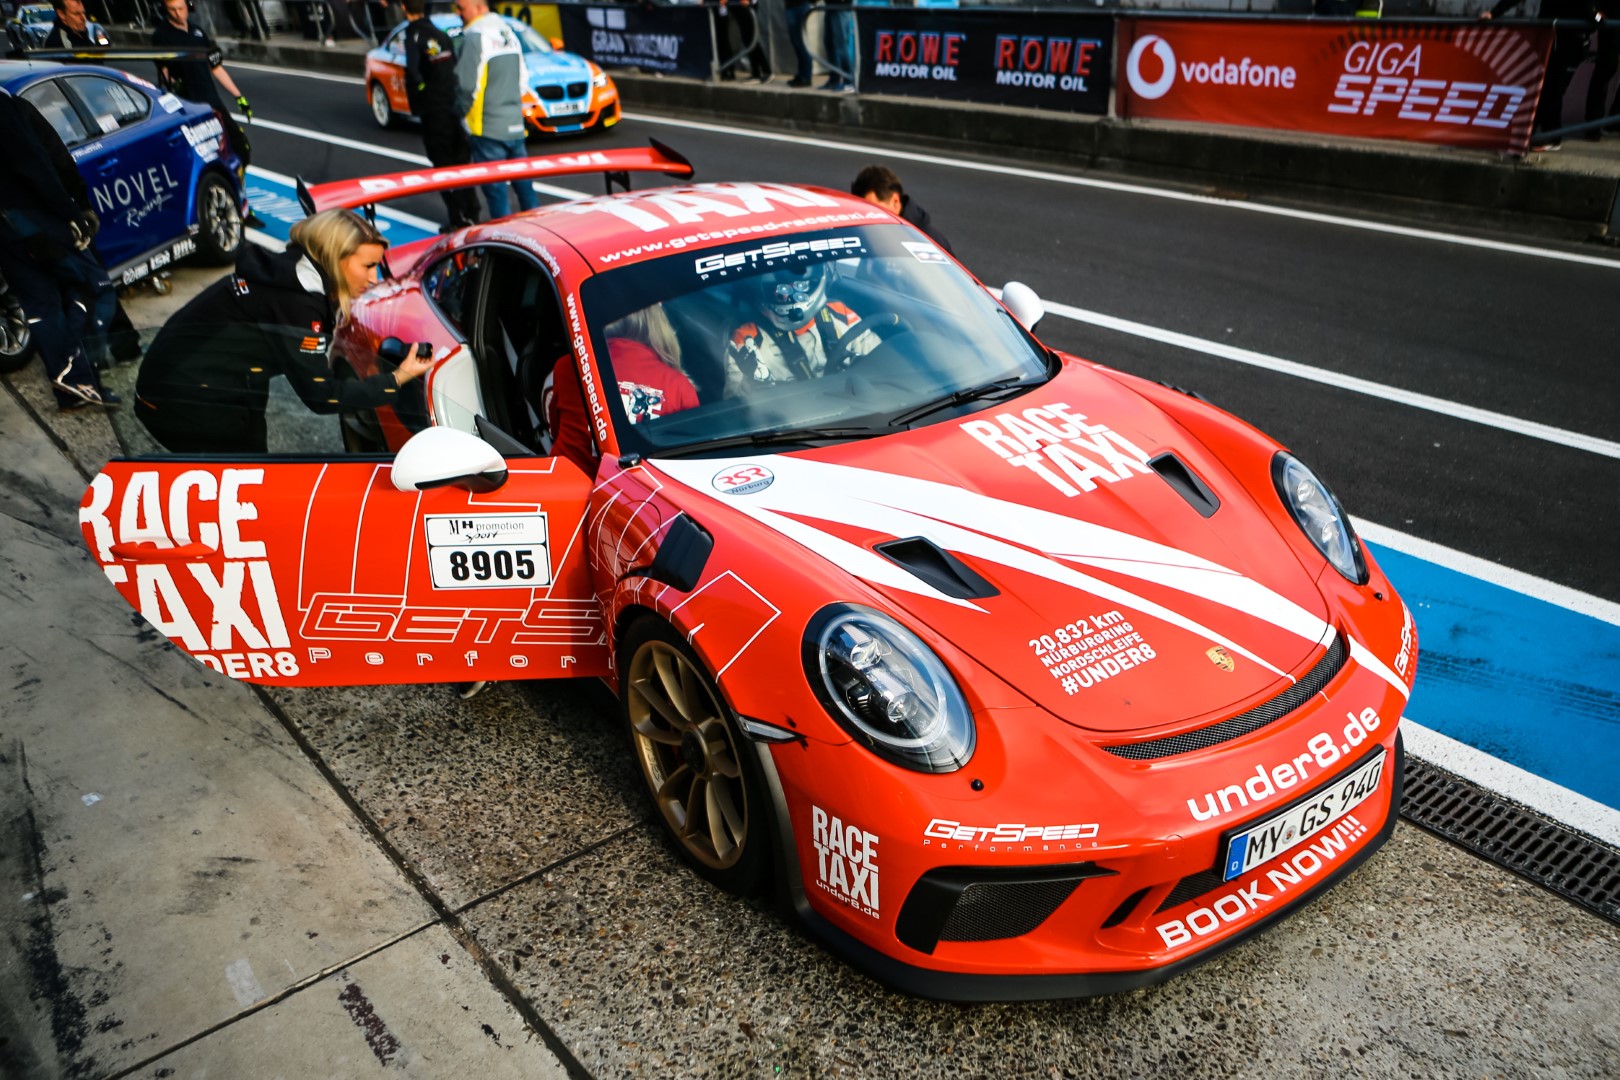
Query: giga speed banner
1462,84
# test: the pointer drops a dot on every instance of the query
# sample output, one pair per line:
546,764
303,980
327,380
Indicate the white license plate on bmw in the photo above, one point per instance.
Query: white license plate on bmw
567,108
1287,830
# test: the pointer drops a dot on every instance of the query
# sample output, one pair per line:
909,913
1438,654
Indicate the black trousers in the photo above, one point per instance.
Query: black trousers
446,144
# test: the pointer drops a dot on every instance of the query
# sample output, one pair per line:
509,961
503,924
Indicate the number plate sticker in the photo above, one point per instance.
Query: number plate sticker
567,108
488,551
1292,827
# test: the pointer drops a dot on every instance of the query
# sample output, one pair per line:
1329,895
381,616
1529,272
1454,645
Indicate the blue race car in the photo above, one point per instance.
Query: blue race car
567,93
162,175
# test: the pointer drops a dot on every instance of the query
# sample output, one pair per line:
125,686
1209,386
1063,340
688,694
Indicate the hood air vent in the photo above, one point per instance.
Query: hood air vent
1188,484
938,567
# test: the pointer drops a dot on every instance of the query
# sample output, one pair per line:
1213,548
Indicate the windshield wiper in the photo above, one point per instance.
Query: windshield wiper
778,437
962,397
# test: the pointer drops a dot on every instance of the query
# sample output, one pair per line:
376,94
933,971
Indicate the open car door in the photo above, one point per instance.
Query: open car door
446,564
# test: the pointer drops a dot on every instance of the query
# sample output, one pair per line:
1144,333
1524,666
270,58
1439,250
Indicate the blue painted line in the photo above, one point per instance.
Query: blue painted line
276,202
1526,681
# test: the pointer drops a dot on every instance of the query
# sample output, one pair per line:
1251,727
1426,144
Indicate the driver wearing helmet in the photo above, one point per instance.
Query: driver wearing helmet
798,329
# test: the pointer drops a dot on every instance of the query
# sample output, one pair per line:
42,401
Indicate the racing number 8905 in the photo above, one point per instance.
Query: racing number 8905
498,564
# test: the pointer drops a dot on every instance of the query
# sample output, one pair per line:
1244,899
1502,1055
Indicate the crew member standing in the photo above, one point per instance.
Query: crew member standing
490,81
71,29
430,85
200,80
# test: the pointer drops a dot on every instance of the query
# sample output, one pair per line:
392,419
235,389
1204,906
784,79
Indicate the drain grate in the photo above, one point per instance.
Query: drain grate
1570,864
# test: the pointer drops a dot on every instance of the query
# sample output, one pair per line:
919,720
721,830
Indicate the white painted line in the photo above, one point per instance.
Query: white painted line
1529,428
1543,796
246,988
1528,584
869,149
352,80
387,152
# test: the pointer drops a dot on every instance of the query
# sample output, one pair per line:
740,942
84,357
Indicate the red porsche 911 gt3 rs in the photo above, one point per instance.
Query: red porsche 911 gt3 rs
1012,674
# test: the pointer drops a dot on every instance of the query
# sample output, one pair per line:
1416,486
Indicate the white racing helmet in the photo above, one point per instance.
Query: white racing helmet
790,297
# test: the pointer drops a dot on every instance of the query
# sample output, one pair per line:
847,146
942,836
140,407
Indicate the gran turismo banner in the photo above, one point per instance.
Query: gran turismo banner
1035,59
1460,83
672,40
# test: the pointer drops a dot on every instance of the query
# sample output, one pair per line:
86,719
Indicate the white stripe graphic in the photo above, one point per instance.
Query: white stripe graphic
906,506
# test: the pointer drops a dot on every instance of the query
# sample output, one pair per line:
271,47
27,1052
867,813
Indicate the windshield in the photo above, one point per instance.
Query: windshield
836,334
532,42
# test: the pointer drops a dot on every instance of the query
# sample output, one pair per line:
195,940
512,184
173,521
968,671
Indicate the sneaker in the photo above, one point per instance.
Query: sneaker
1547,147
86,395
847,88
798,83
470,690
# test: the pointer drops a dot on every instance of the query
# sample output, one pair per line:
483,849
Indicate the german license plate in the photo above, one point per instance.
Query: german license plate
1287,830
568,108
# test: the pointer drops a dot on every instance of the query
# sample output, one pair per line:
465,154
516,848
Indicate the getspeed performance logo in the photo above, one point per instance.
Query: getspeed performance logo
765,254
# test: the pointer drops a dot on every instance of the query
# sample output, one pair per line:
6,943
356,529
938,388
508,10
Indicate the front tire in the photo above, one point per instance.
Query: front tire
16,336
381,111
219,221
700,772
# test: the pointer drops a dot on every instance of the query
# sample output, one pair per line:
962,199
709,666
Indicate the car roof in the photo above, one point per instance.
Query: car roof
631,227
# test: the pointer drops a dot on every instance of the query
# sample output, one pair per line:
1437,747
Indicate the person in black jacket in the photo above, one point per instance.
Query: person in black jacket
205,382
881,187
46,226
430,86
200,80
1575,21
71,29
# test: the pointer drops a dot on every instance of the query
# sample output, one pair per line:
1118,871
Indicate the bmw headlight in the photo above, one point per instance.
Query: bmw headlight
887,689
1319,515
598,77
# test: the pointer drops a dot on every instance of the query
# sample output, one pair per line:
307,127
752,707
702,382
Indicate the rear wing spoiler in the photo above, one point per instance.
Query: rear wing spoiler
99,53
616,165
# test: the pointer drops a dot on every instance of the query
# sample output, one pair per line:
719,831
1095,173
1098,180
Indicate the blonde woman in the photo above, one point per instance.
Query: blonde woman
205,381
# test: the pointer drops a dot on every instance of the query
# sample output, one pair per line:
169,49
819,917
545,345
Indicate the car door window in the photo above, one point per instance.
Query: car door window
111,103
452,284
59,112
518,340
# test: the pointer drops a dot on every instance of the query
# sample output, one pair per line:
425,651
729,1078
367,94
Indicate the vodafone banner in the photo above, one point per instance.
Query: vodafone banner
1463,84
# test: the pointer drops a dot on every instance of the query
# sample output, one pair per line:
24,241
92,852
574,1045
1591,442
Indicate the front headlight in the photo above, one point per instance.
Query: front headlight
1319,515
887,689
598,76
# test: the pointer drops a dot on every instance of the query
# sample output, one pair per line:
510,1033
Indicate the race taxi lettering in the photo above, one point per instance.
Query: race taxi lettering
846,861
1322,752
1007,837
918,54
223,601
1242,901
1060,447
1388,73
1090,650
651,213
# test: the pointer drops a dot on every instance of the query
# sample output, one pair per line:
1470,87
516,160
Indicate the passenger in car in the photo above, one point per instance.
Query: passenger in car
645,357
798,329
205,382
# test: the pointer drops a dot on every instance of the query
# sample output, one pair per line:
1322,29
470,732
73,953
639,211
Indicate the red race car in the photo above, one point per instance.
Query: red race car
1012,674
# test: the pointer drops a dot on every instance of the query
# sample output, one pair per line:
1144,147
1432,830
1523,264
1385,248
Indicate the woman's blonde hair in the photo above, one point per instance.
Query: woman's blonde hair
328,238
651,327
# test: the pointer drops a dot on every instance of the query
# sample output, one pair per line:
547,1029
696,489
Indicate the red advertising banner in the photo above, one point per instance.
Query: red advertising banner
1469,83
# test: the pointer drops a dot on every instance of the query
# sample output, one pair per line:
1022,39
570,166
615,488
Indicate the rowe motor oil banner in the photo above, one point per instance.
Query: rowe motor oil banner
1039,60
1471,84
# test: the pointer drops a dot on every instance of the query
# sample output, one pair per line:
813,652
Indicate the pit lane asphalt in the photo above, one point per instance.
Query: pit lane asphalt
517,821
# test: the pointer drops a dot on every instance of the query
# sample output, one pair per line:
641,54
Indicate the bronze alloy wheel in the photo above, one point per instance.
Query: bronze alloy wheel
698,771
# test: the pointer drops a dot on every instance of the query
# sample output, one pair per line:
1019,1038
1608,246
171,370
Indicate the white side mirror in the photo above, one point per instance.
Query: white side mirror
441,456
1024,304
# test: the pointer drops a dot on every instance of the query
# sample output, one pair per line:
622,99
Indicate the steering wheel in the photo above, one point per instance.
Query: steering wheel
883,324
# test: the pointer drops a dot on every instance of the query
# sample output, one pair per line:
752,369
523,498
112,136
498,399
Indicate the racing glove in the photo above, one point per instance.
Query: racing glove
242,103
85,225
